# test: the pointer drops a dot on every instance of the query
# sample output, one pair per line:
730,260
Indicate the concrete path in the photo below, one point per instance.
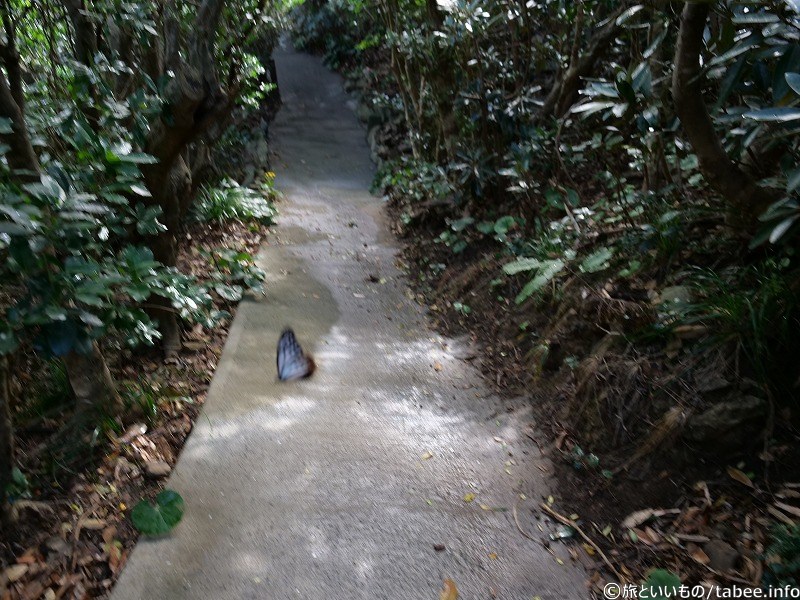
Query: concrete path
323,489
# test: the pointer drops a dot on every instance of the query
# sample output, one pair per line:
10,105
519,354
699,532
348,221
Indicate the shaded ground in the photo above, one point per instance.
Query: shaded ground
347,485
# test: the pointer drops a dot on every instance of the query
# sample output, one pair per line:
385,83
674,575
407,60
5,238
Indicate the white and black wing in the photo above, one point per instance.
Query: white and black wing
293,363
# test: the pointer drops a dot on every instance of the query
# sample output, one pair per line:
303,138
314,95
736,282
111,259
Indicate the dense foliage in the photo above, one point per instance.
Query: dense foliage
108,112
612,142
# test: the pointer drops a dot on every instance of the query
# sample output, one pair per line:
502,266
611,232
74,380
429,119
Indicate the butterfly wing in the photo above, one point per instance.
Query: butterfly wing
292,361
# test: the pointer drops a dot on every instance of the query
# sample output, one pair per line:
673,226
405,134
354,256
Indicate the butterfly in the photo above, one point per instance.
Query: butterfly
293,363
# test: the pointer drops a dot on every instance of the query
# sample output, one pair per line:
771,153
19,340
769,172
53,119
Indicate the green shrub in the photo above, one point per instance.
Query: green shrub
783,557
232,202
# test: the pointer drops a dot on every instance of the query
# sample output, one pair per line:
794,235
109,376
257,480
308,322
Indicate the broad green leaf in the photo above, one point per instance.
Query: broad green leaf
625,16
793,79
231,293
775,114
160,518
597,261
504,224
782,227
661,584
546,274
522,264
139,158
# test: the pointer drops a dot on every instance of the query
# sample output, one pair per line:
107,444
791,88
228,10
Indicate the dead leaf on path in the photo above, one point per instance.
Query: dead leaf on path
493,555
740,476
427,456
469,497
450,591
437,366
485,507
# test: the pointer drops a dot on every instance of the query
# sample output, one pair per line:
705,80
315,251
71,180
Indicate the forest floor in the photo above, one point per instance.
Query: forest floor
75,535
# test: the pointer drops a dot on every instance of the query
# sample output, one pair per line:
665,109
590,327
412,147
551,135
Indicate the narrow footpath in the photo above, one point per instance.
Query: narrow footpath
347,486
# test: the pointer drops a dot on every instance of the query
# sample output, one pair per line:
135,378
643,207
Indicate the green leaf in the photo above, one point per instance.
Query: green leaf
522,264
160,518
231,293
629,13
793,79
461,224
8,342
139,158
661,584
504,224
596,261
778,115
546,274
781,228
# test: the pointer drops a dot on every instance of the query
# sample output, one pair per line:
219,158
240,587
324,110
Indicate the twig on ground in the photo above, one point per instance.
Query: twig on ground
516,520
569,522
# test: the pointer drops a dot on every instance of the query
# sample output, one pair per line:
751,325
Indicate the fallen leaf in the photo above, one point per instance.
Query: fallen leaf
93,524
15,572
450,591
740,476
588,549
792,510
427,456
485,507
437,366
114,555
469,497
493,555
132,433
641,516
439,547
699,556
780,516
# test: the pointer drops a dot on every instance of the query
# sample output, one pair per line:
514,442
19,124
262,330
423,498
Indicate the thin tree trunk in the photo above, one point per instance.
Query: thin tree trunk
6,444
565,90
745,198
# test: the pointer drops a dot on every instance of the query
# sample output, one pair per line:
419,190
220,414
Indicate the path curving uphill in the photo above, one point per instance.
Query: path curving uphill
340,486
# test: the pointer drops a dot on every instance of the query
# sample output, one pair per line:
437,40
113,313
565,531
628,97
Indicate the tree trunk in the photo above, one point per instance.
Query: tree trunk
565,90
91,381
745,198
6,445
21,156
